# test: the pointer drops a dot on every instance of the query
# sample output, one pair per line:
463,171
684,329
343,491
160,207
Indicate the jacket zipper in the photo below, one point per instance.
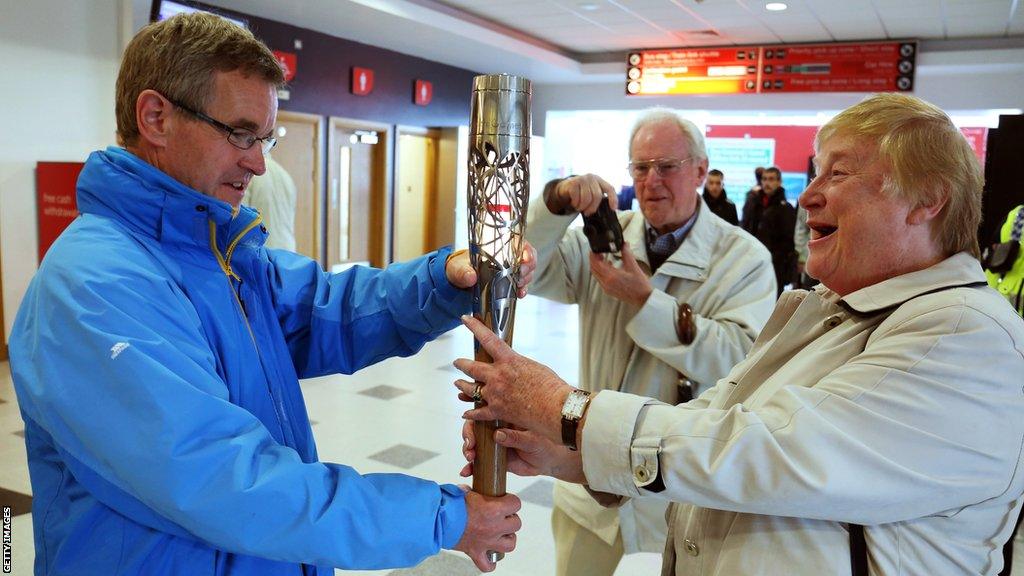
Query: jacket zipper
225,266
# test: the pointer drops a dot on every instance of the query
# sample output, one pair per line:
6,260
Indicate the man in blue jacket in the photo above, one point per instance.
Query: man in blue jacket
157,353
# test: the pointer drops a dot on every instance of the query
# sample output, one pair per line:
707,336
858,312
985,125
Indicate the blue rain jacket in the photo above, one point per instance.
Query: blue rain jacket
155,358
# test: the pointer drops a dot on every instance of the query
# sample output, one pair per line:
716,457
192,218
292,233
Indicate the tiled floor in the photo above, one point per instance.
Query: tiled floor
401,415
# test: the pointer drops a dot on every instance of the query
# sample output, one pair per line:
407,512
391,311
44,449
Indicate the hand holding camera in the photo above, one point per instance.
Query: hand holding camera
597,200
584,193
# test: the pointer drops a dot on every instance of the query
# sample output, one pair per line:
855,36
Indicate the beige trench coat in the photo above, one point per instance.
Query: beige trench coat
895,408
721,271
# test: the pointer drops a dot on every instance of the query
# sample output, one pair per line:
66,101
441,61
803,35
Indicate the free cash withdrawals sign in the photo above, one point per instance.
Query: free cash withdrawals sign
56,207
840,67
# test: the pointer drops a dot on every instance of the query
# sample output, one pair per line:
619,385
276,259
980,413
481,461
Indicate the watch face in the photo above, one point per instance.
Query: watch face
574,403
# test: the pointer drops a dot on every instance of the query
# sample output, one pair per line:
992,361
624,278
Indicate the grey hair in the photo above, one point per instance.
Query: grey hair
689,130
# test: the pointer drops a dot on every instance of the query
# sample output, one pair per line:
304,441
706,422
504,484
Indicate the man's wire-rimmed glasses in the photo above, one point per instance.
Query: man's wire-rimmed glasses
238,137
663,167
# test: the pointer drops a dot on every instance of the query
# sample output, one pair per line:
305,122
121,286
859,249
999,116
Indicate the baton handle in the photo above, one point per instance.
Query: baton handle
490,465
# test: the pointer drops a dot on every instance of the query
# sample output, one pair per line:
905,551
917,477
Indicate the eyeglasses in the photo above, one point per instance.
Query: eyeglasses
663,167
238,137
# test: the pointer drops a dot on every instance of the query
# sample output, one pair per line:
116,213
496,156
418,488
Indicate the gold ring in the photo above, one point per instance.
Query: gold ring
477,397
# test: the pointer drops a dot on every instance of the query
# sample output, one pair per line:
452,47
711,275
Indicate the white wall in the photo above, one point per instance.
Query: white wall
57,104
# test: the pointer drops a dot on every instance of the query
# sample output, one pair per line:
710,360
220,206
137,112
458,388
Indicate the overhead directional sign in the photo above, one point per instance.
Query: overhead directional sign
843,67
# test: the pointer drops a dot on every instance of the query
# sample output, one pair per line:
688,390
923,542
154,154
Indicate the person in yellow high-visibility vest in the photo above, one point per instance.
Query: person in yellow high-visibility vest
1011,282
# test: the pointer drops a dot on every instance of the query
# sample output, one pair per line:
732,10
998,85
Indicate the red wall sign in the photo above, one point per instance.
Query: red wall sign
289,63
872,67
978,139
423,92
362,81
701,71
860,67
55,200
793,144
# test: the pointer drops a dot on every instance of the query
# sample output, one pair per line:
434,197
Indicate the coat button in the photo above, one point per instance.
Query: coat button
641,474
691,547
833,321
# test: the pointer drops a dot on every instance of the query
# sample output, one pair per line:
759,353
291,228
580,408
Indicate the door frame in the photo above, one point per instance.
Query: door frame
382,194
319,177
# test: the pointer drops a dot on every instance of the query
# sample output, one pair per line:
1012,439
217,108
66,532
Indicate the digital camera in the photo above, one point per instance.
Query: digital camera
603,230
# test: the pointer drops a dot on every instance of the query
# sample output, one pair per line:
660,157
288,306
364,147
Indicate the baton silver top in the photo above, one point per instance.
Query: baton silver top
502,82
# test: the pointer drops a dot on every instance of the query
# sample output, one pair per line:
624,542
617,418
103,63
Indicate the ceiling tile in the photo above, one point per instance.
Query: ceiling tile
634,27
749,36
853,28
888,10
981,27
915,27
648,4
997,10
738,19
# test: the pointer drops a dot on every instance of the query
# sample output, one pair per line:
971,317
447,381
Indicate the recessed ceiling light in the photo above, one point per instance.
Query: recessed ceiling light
775,6
588,6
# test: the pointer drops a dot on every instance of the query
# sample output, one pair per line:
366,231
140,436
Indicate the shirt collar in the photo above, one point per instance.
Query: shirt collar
957,270
678,235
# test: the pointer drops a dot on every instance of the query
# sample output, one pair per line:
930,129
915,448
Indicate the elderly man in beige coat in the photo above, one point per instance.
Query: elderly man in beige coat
876,423
682,263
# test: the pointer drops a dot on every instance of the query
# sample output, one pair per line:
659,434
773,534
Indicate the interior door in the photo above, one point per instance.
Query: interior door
357,198
415,194
298,150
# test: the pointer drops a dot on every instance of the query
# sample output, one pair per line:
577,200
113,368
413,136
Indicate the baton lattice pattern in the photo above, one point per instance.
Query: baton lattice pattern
498,195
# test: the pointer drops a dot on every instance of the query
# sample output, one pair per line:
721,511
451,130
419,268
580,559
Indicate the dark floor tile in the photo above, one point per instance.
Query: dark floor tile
18,503
539,493
20,433
404,456
384,392
447,367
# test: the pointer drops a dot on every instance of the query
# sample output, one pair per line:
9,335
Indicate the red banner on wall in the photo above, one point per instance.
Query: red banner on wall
55,200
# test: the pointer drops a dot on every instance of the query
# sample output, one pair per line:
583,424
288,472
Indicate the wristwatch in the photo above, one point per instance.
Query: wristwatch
572,412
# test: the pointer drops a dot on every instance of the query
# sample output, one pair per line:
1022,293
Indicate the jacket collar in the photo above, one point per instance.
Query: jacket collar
696,248
958,270
117,184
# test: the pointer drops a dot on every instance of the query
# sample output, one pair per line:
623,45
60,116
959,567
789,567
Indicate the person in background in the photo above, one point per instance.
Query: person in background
1005,271
875,426
627,193
666,318
754,191
157,351
716,199
801,236
273,195
772,219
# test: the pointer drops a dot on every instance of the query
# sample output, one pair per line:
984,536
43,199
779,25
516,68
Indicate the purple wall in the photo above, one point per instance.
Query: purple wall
321,83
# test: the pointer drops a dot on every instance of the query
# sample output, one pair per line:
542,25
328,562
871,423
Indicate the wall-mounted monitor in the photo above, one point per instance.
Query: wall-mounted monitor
164,9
